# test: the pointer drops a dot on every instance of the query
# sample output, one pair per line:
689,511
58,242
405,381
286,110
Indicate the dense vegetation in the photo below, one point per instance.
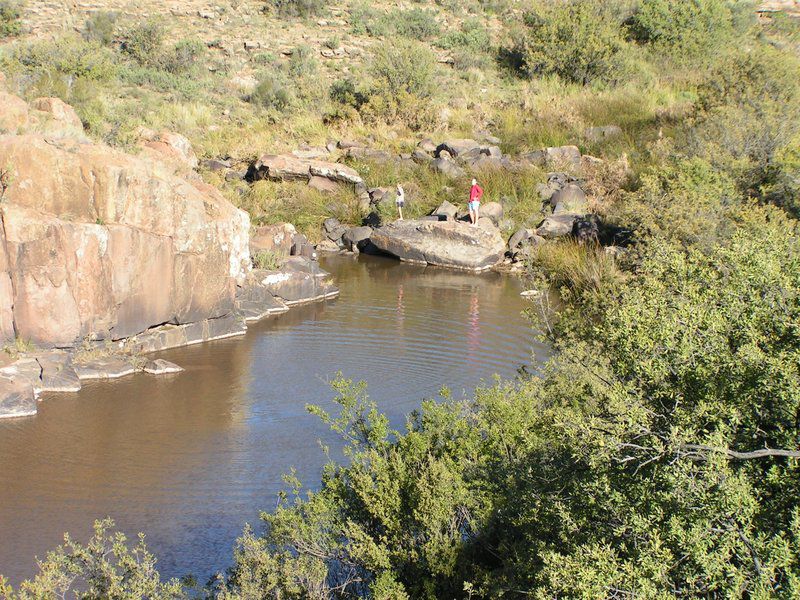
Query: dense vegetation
656,455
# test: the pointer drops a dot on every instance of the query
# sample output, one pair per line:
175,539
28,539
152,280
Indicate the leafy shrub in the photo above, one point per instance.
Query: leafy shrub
272,92
582,269
297,8
470,45
783,184
10,15
575,40
100,27
183,57
684,29
68,56
144,43
365,20
689,202
415,23
302,62
106,567
402,84
752,77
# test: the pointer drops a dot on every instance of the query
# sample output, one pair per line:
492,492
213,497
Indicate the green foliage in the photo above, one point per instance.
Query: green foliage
297,8
687,201
106,567
183,57
272,92
576,40
415,23
470,45
365,20
10,19
100,27
302,62
624,471
402,84
144,43
684,29
67,56
582,269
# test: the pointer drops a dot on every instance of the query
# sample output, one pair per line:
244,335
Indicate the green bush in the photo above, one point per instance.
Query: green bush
575,40
402,84
297,8
684,29
68,56
470,45
415,23
268,259
303,62
100,27
365,20
183,57
272,92
10,19
144,43
752,77
688,201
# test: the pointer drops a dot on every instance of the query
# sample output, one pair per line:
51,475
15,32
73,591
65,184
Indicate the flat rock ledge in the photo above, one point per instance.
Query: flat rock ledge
451,244
265,293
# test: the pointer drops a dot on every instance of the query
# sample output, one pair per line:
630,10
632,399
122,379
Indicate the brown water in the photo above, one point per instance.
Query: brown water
189,458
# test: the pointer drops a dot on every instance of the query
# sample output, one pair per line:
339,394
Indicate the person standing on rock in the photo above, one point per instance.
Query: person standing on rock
474,204
400,200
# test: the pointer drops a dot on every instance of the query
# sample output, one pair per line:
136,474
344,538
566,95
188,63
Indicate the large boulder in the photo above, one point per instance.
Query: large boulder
570,200
60,111
13,113
442,243
493,211
458,148
556,226
448,167
357,238
102,244
288,168
170,146
446,210
273,238
554,157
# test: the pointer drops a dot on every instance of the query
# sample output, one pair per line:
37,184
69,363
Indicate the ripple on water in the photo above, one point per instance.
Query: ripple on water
189,458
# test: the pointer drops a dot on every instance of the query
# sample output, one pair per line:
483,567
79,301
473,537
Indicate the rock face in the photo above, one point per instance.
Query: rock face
60,111
442,243
273,238
103,244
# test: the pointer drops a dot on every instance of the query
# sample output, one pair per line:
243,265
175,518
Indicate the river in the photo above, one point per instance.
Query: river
189,458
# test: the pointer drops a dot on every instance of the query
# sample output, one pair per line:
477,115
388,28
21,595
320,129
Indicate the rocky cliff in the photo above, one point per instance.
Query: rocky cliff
102,244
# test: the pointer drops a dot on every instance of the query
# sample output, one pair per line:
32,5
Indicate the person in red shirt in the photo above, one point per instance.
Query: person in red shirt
475,195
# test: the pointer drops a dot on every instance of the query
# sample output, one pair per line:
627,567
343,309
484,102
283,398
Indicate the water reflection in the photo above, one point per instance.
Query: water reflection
189,458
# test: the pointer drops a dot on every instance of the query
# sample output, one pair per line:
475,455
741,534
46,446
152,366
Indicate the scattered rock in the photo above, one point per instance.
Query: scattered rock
570,200
427,146
215,165
273,238
327,246
559,156
447,167
492,210
160,366
458,148
600,134
111,367
17,398
447,210
287,168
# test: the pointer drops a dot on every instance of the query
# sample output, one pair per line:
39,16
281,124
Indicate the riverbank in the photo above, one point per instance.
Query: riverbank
29,373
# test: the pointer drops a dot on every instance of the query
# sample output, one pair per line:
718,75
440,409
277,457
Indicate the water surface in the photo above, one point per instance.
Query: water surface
189,458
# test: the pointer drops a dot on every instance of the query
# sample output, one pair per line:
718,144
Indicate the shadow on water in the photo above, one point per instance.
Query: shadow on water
189,458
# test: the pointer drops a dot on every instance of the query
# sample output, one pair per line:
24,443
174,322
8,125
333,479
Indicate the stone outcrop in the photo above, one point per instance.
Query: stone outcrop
291,168
169,146
442,243
97,243
60,111
273,238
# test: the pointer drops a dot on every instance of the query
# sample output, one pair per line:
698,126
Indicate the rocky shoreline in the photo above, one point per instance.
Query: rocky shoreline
266,293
